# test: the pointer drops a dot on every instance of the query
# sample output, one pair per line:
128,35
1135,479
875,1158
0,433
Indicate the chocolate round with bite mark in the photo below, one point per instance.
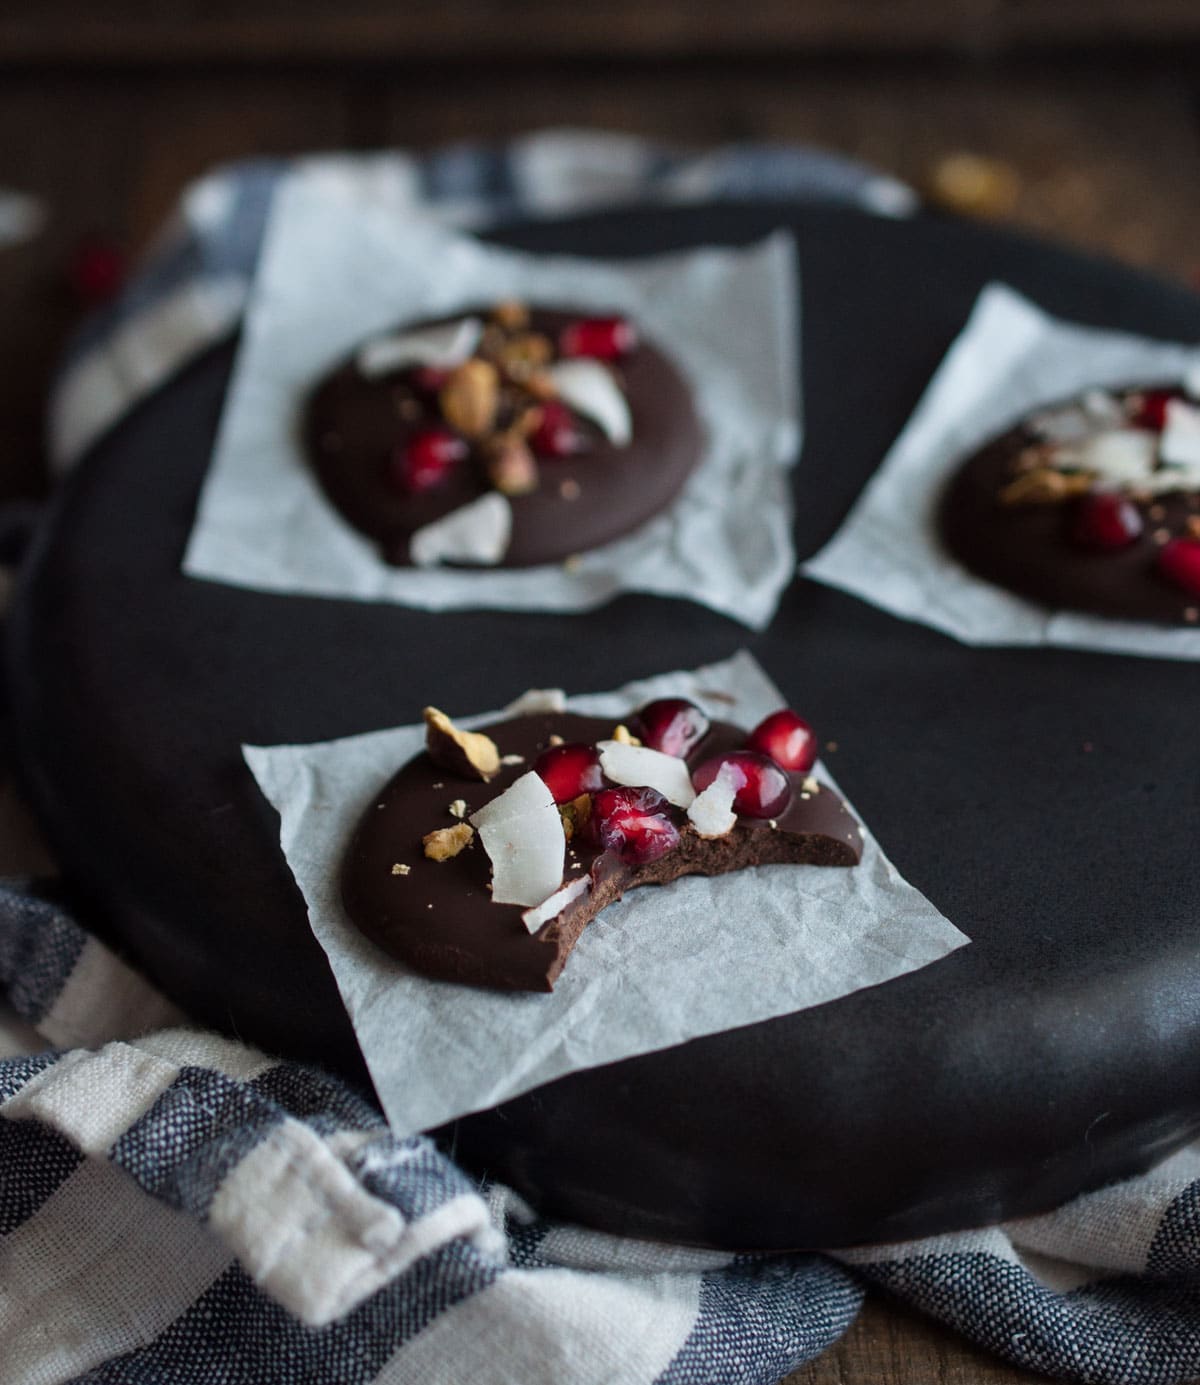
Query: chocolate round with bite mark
437,916
1028,548
353,423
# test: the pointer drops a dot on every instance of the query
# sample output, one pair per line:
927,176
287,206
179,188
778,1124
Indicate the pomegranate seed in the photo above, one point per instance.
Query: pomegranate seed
1104,522
1179,563
787,739
424,460
557,435
96,271
428,379
604,338
633,823
1153,411
569,770
765,791
672,725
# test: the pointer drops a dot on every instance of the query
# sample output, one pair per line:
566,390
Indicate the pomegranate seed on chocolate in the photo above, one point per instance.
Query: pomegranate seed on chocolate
557,838
532,407
1081,505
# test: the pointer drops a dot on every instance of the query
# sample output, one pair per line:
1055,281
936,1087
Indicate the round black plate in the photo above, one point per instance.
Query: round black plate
1045,800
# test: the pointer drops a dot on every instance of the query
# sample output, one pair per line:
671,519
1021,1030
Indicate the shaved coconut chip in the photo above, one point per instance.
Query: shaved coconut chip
1180,441
522,833
1122,454
591,389
558,901
474,533
635,766
711,813
538,700
442,347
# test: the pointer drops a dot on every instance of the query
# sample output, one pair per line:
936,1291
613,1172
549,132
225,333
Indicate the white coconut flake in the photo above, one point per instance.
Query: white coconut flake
476,533
558,901
1123,455
538,700
1180,441
711,813
591,389
442,347
522,833
637,765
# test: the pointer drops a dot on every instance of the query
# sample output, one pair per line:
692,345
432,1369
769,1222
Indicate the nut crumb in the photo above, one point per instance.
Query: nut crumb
458,809
573,563
624,736
555,739
805,796
1157,513
512,759
773,824
831,746
570,489
809,784
438,785
1191,614
1160,536
400,868
446,842
1193,526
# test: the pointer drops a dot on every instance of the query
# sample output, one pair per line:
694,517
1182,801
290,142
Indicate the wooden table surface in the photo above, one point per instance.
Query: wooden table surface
105,115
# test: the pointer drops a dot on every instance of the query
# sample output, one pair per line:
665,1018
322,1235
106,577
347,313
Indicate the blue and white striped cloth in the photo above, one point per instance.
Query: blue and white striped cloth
177,1208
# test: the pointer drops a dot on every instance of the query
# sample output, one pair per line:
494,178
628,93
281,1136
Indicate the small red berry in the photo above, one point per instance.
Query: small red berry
1152,412
569,770
764,792
424,460
634,823
604,338
97,271
1104,522
1179,563
672,725
557,435
787,739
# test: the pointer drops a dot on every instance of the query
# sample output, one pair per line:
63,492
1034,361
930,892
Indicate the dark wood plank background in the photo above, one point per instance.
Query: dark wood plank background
106,111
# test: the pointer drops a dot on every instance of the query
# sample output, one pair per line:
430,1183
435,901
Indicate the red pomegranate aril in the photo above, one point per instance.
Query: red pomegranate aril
1104,522
1152,412
603,338
425,459
787,739
672,725
569,770
634,824
765,791
557,435
1179,563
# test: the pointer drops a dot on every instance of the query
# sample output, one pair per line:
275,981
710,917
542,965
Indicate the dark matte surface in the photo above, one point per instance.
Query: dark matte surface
437,916
616,488
1045,800
1027,548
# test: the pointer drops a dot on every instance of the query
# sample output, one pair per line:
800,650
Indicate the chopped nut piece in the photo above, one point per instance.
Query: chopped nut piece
555,739
458,809
1045,487
1193,526
512,759
520,356
575,814
470,396
510,314
809,784
512,468
461,752
446,842
623,734
540,383
400,868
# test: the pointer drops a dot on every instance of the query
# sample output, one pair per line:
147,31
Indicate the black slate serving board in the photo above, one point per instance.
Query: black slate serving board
1046,801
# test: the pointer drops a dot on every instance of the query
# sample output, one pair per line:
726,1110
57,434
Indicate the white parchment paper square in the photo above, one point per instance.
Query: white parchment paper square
345,258
656,969
1010,359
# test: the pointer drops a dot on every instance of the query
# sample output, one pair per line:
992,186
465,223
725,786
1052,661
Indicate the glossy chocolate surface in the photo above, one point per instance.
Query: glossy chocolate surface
582,501
437,916
1043,799
1025,548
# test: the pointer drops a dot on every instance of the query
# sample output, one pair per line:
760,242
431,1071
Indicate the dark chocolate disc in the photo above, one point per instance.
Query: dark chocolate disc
437,916
1030,549
602,492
